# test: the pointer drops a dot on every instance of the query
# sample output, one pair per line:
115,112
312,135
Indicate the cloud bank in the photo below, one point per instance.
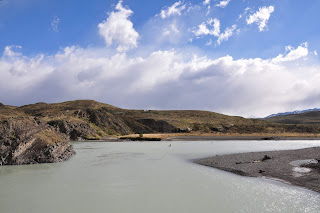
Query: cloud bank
163,80
152,77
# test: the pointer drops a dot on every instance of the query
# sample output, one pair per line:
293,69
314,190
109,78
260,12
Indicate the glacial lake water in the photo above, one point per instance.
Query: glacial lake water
151,177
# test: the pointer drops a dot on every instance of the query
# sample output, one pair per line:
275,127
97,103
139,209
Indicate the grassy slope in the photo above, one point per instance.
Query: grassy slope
111,120
7,112
198,120
65,108
303,118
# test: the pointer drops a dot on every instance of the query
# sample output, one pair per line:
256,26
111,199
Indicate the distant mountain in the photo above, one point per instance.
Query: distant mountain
311,116
293,113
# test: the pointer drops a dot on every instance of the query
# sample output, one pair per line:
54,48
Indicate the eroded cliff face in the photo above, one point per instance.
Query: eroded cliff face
27,140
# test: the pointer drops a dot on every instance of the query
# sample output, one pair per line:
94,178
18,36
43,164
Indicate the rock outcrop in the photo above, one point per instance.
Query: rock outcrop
27,140
158,126
74,130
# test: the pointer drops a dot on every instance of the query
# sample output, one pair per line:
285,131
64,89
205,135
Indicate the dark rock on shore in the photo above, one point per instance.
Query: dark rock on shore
266,157
274,164
30,141
271,138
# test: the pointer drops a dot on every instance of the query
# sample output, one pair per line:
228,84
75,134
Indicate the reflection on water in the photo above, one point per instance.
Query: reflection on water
150,177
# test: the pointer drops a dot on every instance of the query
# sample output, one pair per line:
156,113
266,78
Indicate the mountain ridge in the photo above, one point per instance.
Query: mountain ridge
292,112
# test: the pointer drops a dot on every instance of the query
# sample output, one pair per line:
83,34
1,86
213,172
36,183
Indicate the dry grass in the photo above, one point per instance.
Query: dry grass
123,121
93,137
186,118
62,109
7,112
48,136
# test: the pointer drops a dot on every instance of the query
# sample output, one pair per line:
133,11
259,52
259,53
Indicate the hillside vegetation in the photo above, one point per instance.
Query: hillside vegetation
91,120
302,118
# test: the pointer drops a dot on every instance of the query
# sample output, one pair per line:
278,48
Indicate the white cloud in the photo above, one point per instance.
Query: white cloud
223,3
216,26
293,54
203,30
215,31
205,2
170,29
209,43
119,29
55,24
261,17
247,87
19,73
315,53
8,52
174,9
227,33
244,13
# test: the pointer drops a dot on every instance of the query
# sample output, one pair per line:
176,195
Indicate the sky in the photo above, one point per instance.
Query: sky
250,58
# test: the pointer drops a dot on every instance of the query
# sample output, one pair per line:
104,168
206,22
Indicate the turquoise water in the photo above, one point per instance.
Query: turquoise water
150,177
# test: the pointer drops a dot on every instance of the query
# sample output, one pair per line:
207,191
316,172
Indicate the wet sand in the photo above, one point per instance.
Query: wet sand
273,164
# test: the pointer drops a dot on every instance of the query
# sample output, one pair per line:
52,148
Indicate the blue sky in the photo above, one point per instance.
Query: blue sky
239,57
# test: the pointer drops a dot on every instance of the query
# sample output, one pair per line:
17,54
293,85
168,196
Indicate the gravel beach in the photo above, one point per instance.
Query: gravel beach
297,167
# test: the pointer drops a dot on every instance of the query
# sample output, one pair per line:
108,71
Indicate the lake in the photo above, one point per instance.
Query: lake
150,177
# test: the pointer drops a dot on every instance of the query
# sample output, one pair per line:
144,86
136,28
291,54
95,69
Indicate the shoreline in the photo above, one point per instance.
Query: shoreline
227,138
164,137
292,166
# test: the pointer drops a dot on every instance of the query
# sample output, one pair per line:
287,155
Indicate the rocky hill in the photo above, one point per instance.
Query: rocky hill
90,120
39,133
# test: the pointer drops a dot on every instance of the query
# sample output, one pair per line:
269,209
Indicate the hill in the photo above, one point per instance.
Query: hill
40,133
91,120
311,117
